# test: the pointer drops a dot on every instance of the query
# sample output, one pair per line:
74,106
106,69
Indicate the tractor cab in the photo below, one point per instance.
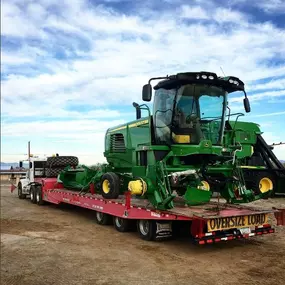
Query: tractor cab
188,114
191,107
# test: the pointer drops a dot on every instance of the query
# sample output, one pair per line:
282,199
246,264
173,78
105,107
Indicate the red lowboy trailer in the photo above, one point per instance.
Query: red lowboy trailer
210,223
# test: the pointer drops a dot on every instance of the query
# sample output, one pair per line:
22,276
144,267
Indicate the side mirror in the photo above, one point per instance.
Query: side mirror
246,104
31,165
21,164
146,92
138,110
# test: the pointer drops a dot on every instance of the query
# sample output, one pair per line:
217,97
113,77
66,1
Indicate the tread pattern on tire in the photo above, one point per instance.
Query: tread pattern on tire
61,161
53,172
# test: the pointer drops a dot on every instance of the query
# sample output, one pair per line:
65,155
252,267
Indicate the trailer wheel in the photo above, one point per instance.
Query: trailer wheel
154,230
103,219
33,194
20,192
121,224
39,195
110,185
146,229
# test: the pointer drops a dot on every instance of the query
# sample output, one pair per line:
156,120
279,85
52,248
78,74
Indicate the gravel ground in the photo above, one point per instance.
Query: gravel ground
63,245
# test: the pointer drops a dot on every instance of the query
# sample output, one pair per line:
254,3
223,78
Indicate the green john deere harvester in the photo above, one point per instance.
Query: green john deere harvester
178,150
262,170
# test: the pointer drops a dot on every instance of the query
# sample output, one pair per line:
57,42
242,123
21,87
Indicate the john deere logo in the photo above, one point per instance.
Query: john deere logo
206,145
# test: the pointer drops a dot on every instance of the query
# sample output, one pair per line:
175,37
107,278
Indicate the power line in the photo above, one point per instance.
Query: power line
275,144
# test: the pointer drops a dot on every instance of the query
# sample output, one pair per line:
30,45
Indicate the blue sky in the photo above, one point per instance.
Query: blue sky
70,69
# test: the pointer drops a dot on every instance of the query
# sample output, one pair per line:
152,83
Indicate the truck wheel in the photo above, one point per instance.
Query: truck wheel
61,161
110,185
121,225
33,194
39,195
20,192
103,219
154,230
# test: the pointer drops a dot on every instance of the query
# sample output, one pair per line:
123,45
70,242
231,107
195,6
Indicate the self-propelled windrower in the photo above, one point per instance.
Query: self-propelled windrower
177,150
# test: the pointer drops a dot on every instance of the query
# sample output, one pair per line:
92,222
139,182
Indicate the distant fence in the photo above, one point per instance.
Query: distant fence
15,174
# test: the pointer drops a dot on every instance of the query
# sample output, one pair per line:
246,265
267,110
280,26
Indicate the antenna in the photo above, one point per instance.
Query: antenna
222,70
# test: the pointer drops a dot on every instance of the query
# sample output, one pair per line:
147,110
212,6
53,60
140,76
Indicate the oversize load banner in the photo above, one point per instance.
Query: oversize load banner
225,223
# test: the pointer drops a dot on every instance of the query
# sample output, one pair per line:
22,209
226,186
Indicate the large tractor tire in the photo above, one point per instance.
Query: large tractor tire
110,185
61,161
262,182
53,172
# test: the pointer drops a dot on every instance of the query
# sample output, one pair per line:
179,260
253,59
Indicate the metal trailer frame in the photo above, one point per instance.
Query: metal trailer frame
126,207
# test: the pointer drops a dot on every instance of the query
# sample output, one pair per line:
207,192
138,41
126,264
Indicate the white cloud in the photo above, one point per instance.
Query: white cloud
12,59
272,84
194,12
15,23
260,96
272,6
269,114
269,7
108,56
224,15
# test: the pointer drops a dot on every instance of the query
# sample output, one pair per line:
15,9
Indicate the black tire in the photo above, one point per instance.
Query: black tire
256,179
146,229
151,230
33,194
20,194
61,161
110,185
121,224
102,218
39,197
53,172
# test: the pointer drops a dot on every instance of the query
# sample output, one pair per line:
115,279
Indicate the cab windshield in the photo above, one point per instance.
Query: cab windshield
189,114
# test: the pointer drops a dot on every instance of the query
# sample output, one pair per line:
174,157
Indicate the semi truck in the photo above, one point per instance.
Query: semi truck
35,171
161,169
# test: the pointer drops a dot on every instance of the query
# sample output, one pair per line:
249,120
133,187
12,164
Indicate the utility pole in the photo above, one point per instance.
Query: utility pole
29,153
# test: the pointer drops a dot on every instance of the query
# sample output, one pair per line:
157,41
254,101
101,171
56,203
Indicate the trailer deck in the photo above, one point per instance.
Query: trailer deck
212,222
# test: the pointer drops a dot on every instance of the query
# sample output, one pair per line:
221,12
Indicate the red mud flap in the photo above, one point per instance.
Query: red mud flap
12,188
280,216
214,237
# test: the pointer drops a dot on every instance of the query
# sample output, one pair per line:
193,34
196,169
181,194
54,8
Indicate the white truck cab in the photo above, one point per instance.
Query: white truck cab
36,170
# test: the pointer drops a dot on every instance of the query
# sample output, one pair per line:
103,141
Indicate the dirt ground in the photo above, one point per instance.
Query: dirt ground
63,245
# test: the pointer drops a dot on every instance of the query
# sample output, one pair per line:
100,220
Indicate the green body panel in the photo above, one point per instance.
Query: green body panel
245,134
133,133
194,196
79,178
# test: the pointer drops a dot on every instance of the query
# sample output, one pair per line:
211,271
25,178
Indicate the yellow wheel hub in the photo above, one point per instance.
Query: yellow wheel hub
106,186
265,184
205,186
